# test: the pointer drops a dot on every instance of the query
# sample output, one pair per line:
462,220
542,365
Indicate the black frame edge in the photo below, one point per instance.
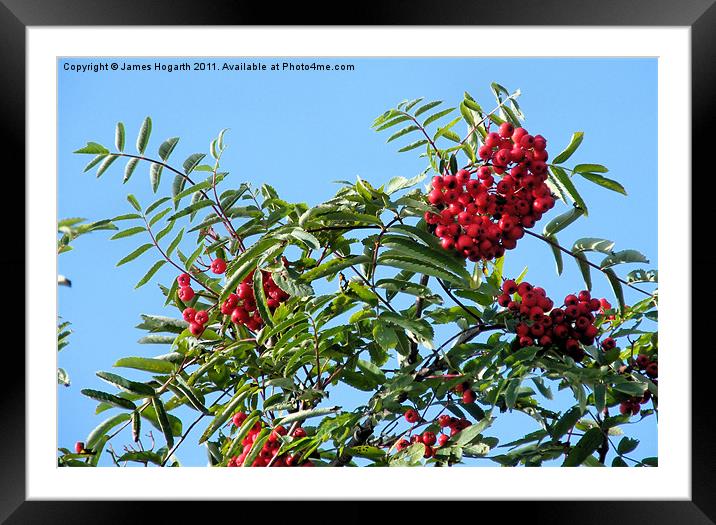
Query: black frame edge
699,14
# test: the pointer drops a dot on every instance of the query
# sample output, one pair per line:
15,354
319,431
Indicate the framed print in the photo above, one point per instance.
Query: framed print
418,258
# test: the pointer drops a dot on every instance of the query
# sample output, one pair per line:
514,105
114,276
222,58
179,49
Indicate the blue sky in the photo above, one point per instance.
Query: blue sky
300,130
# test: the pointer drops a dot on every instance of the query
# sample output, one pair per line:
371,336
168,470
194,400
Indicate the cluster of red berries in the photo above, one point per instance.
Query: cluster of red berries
196,320
649,366
241,306
480,218
429,439
542,325
186,292
633,406
269,451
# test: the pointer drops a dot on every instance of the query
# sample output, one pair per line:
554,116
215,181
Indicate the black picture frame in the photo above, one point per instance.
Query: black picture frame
699,15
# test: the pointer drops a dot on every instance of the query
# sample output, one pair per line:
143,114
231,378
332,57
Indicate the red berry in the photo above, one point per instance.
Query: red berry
506,130
411,416
652,370
402,444
196,329
79,447
444,421
468,396
509,286
186,293
429,438
184,279
609,343
218,266
201,317
239,418
299,433
442,439
188,314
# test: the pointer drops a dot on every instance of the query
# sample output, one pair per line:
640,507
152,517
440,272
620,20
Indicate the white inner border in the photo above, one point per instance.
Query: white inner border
671,480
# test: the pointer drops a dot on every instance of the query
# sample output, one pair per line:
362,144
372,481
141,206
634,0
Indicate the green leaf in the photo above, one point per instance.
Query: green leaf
129,169
104,427
471,433
226,412
155,175
589,442
621,257
147,364
616,287
155,267
627,445
600,396
402,132
134,202
120,382
196,206
592,244
106,163
244,263
569,187
403,262
427,254
631,388
290,285
92,148
163,421
574,143
302,415
419,327
560,222
175,242
260,298
436,116
167,148
604,182
192,161
144,132
413,145
557,253
128,232
243,431
427,107
110,399
332,267
119,136
374,373
392,122
91,164
63,377
590,168
136,253
567,421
